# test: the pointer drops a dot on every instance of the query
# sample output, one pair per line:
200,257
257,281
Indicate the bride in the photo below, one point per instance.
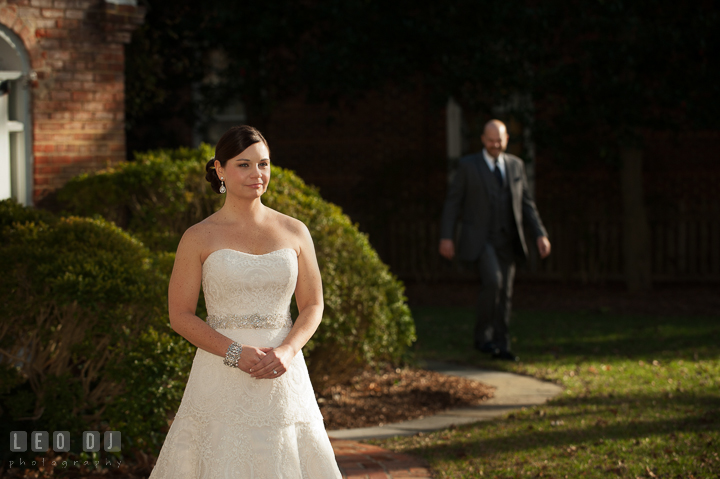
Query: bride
248,410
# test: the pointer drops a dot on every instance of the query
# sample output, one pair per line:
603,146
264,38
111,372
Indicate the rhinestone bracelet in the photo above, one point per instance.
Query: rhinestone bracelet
232,356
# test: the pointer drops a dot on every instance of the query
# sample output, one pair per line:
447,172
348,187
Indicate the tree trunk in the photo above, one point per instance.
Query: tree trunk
636,227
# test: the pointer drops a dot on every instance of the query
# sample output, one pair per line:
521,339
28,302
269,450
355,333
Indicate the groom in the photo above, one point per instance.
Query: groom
490,193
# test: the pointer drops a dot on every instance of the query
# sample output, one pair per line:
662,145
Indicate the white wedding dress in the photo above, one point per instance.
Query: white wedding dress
229,425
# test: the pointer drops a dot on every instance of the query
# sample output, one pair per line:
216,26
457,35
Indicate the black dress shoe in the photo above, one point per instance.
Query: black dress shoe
506,355
488,347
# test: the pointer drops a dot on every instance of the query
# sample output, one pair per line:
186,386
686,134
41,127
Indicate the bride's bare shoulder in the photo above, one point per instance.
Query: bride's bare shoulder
289,224
200,234
297,233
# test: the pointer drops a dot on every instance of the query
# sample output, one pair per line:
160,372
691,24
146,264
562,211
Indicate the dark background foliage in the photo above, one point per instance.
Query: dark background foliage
591,80
601,64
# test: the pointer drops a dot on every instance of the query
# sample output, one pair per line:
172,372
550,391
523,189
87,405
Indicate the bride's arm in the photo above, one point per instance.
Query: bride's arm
309,298
183,295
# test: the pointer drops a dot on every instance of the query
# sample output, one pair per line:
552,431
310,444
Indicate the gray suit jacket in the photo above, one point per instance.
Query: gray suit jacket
468,199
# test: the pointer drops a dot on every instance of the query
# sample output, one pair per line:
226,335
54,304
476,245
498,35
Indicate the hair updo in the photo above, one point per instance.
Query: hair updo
236,140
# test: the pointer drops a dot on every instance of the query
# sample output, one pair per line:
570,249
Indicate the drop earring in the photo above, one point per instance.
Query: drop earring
222,185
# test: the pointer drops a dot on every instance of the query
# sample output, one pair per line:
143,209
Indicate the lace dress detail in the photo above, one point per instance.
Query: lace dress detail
230,425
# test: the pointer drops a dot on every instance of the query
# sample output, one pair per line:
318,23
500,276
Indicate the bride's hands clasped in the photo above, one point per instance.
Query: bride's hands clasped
274,364
250,356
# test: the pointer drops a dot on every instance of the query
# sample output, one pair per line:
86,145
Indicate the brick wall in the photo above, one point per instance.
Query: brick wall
681,173
384,151
78,104
382,158
583,211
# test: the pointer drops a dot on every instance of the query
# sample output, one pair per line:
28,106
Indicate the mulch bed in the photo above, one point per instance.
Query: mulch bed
395,395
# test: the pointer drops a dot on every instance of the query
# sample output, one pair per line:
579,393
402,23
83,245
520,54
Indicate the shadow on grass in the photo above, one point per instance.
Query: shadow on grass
632,345
446,333
668,411
706,401
528,432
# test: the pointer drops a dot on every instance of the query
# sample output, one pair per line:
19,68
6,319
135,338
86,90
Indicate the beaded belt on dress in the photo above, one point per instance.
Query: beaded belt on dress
250,321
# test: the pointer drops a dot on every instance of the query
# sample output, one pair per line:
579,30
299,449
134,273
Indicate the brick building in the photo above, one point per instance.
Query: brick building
62,104
582,208
366,151
385,159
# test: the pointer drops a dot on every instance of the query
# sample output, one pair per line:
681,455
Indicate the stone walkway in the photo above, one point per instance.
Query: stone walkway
363,461
357,460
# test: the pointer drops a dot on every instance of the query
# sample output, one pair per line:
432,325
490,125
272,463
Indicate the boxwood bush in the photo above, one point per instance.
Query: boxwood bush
160,194
84,339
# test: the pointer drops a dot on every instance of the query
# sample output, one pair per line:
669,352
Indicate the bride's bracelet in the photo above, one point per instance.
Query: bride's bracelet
233,355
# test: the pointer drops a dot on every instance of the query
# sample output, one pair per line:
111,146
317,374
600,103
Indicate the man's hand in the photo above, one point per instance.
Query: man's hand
447,248
543,244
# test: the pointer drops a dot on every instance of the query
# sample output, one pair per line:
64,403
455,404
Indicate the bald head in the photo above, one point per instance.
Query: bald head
495,126
495,137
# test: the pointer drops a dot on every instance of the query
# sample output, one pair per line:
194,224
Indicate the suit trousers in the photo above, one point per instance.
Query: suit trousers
496,267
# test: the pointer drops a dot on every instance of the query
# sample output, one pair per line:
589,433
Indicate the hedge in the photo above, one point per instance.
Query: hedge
160,194
84,339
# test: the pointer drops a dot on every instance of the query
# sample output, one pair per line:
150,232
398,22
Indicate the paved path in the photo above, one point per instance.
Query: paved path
363,461
357,460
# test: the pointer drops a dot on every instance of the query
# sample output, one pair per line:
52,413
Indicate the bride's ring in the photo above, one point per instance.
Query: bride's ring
274,372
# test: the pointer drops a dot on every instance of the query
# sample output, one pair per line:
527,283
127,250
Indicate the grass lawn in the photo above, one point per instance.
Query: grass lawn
642,398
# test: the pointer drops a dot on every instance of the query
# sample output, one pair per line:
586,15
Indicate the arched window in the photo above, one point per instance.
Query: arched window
15,126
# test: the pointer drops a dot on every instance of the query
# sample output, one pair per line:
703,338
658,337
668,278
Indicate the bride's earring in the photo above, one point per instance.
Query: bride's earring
222,185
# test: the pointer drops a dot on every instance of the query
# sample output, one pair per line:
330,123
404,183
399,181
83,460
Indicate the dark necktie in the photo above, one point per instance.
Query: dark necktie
496,172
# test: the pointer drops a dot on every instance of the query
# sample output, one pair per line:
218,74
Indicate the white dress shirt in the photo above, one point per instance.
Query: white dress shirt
491,162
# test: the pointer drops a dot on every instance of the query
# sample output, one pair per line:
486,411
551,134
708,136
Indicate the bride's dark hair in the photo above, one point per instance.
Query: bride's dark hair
236,140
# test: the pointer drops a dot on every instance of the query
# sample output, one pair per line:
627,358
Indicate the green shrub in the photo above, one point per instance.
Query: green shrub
85,343
157,197
162,193
13,212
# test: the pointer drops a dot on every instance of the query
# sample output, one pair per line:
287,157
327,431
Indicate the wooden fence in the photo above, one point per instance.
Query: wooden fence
683,249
